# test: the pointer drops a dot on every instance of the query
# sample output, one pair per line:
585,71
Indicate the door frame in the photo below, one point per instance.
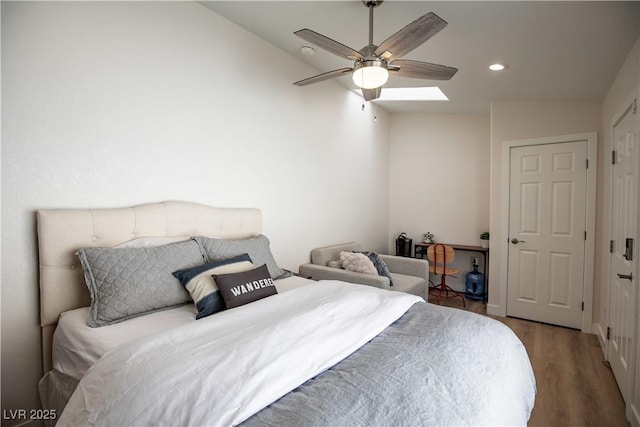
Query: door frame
590,207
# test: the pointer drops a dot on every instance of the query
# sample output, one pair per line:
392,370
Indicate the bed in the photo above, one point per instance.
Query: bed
310,353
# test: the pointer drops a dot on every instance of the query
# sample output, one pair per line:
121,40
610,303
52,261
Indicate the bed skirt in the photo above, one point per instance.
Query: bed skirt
55,389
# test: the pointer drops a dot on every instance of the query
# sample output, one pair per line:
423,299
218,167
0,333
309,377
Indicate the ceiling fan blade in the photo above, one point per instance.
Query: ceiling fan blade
371,94
421,70
328,44
324,76
411,36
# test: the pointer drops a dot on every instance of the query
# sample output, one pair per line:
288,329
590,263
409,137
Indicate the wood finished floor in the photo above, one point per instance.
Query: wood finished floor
575,388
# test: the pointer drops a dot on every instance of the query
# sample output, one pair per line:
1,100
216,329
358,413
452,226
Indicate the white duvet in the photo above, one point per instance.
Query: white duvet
224,368
77,346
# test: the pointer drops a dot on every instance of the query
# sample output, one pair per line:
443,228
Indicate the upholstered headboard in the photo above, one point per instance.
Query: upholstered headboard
61,232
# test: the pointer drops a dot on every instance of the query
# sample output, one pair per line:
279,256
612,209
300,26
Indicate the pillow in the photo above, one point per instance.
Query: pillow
335,264
242,288
380,265
204,291
128,282
257,248
358,262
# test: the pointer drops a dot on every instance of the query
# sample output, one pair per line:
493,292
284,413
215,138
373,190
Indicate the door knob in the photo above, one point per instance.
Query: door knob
626,276
515,241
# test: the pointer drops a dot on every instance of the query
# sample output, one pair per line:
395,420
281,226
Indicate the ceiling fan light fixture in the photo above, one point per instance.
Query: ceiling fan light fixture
370,74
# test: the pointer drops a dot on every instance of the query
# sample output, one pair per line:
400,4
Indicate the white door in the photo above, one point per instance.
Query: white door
624,222
547,223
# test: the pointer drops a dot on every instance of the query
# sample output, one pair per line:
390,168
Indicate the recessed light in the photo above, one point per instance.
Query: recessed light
497,67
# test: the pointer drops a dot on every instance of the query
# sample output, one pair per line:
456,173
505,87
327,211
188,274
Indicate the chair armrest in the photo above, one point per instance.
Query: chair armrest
409,266
322,272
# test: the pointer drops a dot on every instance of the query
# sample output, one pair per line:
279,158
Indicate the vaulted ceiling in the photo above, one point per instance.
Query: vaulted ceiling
555,51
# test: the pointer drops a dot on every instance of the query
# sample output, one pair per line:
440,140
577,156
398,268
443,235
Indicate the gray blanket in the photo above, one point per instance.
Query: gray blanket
434,366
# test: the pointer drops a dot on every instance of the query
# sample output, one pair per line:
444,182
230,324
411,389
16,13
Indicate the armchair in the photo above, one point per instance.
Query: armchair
409,275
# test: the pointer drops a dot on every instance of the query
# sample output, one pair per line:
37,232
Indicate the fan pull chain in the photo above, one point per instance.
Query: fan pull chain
375,110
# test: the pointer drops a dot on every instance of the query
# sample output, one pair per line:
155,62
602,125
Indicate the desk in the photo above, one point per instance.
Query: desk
420,251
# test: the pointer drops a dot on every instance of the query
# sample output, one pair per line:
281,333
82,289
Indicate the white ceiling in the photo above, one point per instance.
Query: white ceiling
556,51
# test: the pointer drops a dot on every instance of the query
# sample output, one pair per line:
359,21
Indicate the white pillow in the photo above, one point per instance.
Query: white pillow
151,242
357,262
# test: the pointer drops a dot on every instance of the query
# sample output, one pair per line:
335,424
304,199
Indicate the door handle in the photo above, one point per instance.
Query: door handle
626,276
515,241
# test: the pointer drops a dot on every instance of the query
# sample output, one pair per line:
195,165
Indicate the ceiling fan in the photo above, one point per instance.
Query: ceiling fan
372,64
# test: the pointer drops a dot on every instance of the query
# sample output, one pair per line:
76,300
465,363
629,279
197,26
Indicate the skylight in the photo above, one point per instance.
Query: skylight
412,94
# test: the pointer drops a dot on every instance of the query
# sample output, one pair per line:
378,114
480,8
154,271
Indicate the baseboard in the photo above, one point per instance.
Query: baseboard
601,332
633,416
496,310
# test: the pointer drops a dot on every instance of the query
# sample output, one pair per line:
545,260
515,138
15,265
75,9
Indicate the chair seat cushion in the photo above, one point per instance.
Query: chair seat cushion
440,270
409,284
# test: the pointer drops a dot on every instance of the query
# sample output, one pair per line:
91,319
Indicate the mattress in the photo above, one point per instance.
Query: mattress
77,347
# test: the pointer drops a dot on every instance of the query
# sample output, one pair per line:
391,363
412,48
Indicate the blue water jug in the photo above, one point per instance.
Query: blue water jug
475,284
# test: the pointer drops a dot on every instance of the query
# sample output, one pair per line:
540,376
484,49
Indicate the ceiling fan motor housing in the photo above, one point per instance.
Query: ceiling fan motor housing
369,52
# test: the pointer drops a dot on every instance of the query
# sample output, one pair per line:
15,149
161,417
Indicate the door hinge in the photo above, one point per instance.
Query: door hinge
613,157
587,162
611,246
608,332
628,249
585,234
634,106
582,305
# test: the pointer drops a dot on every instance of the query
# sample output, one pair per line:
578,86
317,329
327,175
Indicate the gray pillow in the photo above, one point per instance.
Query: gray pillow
128,282
257,248
380,265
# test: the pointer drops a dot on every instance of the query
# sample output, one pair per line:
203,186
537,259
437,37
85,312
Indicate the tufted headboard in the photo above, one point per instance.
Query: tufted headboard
61,232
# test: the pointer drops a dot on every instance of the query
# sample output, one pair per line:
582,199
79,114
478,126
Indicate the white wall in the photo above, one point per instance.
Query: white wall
624,89
439,181
515,120
110,104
